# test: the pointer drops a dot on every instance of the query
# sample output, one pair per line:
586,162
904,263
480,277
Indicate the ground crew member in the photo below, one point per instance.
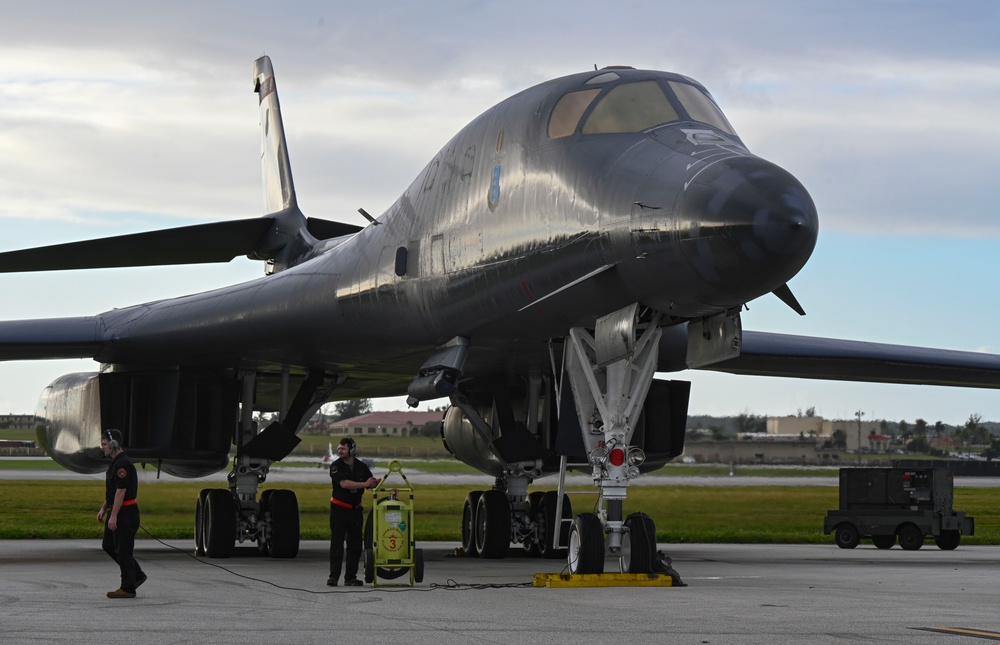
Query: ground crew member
120,513
350,478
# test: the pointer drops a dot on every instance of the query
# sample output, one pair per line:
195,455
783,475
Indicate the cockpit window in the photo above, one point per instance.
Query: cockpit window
700,107
632,107
568,111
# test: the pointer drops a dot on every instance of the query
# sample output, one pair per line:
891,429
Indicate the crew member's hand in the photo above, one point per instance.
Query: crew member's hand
113,522
100,516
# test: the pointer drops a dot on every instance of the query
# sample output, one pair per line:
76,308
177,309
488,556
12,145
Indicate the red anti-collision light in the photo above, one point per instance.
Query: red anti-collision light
617,457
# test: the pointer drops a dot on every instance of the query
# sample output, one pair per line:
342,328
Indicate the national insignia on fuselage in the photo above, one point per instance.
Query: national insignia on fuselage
493,197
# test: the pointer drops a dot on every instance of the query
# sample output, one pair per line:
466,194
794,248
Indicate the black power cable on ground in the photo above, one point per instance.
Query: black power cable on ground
450,585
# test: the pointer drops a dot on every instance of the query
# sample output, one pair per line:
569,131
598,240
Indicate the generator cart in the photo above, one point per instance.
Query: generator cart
890,504
389,551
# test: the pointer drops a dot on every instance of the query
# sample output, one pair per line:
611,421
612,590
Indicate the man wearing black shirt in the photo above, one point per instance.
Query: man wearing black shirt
120,513
350,478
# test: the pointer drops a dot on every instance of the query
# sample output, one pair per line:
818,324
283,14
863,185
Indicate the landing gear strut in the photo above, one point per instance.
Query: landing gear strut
610,372
225,517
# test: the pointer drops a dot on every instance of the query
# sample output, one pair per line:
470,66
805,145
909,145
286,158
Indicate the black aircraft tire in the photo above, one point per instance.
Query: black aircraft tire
547,509
884,541
493,525
638,544
911,538
219,519
469,523
284,507
586,545
948,540
199,523
846,535
418,565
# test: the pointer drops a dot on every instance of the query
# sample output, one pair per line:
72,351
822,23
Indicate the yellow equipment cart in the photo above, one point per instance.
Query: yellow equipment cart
389,543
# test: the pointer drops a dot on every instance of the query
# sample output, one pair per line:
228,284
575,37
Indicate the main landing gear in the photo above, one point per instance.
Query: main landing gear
610,372
225,517
491,522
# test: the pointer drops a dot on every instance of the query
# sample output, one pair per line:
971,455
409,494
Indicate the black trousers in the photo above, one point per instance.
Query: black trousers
120,545
345,525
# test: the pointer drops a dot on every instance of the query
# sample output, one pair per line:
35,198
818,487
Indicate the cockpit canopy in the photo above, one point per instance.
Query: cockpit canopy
615,107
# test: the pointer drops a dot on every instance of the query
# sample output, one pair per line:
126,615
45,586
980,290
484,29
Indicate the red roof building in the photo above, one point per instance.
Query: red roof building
383,424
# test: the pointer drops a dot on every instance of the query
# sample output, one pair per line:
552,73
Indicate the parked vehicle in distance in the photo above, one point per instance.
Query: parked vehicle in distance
897,504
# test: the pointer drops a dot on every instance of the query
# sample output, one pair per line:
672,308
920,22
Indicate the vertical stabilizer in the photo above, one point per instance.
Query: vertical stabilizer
279,191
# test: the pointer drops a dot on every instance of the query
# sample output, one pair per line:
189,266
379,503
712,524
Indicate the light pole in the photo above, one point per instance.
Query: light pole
859,414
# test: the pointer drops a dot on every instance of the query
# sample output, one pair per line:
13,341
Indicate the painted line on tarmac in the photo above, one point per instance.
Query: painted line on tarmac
958,631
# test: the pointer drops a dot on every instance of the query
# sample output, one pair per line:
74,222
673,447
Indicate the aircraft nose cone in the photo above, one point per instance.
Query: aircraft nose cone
746,227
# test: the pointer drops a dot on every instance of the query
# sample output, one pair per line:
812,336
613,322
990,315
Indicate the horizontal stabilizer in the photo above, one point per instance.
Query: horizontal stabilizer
323,229
201,243
51,338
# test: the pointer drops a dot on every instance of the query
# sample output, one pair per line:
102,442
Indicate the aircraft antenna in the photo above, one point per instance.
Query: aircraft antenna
368,217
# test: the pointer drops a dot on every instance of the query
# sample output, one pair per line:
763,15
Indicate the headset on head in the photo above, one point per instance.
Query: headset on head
112,442
352,447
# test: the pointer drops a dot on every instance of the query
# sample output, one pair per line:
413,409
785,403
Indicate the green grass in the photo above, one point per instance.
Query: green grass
724,514
437,466
17,435
29,463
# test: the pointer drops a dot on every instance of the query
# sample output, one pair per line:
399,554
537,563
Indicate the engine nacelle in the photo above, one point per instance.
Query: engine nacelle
467,445
182,423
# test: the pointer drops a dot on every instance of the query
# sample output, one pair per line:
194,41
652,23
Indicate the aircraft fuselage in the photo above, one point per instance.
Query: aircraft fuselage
680,217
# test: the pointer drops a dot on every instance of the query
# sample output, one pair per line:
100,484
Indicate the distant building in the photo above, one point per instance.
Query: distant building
801,440
814,426
763,450
385,424
17,421
860,436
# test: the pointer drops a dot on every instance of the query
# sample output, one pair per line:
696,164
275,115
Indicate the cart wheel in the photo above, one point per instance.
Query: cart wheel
883,541
369,566
910,537
846,535
948,540
418,565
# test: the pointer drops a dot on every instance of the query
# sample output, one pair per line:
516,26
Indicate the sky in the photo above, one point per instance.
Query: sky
120,117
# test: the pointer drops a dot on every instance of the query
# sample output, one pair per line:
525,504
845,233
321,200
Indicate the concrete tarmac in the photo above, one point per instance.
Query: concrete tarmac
54,591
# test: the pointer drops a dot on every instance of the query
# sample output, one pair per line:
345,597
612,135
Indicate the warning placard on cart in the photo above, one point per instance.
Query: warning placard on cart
392,540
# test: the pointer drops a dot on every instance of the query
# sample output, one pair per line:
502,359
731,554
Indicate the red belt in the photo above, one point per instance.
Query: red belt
341,504
129,502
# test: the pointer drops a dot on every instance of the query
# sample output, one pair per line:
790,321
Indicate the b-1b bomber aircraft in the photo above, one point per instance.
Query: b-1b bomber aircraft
565,246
